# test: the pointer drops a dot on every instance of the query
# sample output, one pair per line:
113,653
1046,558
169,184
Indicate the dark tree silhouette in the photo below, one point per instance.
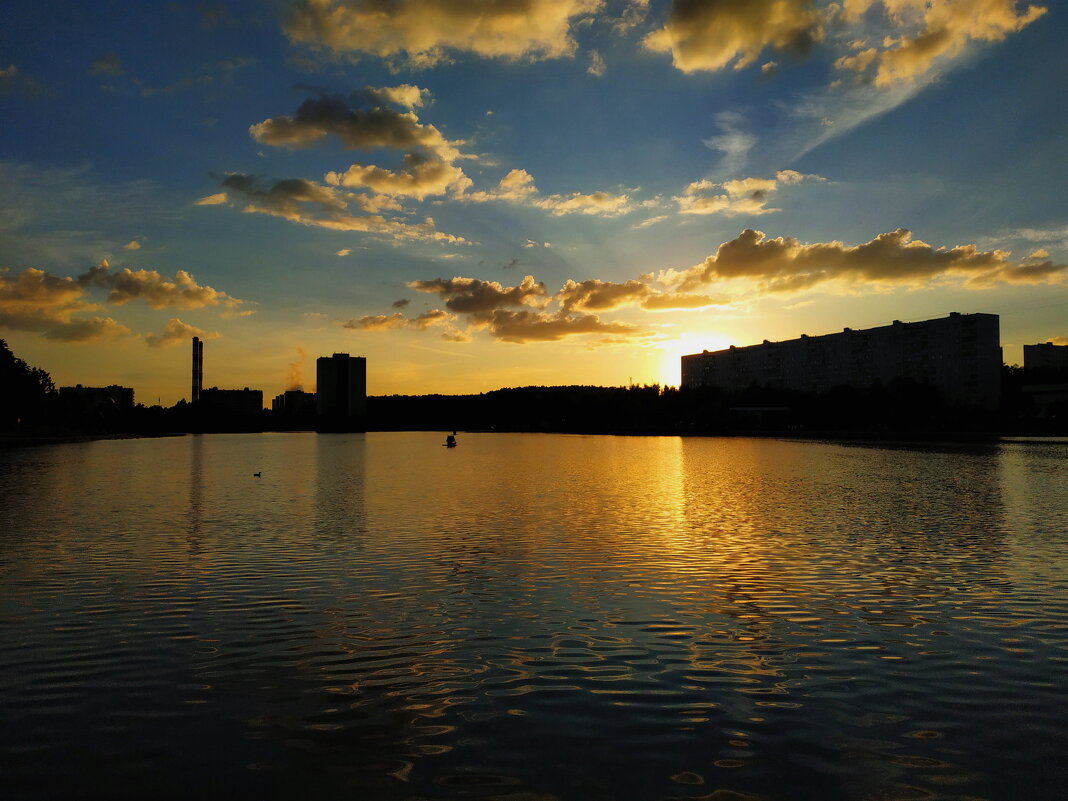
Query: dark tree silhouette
28,392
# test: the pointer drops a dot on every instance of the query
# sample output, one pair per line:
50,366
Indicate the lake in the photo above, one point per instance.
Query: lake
533,617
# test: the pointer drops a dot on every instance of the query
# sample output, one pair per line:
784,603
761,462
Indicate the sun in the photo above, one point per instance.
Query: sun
672,350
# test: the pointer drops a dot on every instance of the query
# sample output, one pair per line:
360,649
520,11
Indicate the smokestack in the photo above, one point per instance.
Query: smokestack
198,369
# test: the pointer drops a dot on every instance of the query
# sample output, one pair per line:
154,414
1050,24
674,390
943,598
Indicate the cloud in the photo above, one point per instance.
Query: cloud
377,322
400,304
177,333
923,33
421,32
604,204
357,126
597,66
309,203
344,251
133,244
107,64
472,295
421,178
703,35
180,292
406,95
518,187
739,196
218,199
596,295
535,326
784,264
37,301
15,81
506,313
87,329
386,322
734,143
649,221
215,15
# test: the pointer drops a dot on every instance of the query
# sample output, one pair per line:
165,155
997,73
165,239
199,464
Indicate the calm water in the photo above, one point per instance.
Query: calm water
532,617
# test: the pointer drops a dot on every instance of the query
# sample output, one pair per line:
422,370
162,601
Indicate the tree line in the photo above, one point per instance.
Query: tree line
30,404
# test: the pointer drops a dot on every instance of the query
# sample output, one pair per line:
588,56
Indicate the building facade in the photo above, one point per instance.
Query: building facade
341,390
1045,359
960,355
294,401
97,399
232,402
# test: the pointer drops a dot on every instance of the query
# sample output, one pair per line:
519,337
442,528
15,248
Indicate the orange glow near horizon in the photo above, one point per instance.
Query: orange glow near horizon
691,342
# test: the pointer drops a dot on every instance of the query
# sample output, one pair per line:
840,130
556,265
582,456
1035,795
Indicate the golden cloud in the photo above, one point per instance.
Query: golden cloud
181,292
518,187
377,322
420,32
923,32
784,264
177,333
37,301
596,295
308,203
740,196
421,178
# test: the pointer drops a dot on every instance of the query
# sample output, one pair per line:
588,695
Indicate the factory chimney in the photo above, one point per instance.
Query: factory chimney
198,369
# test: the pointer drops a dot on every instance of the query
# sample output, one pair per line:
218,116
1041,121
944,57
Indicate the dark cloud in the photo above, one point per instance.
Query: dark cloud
107,64
471,295
309,203
357,127
711,34
14,81
534,326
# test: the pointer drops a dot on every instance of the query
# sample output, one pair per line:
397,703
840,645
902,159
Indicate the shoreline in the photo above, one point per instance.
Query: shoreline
902,438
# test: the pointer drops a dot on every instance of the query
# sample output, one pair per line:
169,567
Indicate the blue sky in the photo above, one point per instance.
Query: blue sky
291,179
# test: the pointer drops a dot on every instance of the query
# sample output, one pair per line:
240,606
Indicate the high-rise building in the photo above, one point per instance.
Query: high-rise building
198,370
341,391
1045,361
960,355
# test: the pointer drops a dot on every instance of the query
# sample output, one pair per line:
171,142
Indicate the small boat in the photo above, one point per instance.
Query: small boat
450,441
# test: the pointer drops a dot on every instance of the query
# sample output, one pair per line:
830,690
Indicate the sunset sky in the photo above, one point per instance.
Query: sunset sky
511,192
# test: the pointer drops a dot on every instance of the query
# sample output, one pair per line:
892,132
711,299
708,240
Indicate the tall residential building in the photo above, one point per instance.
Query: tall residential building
1045,360
960,355
341,390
